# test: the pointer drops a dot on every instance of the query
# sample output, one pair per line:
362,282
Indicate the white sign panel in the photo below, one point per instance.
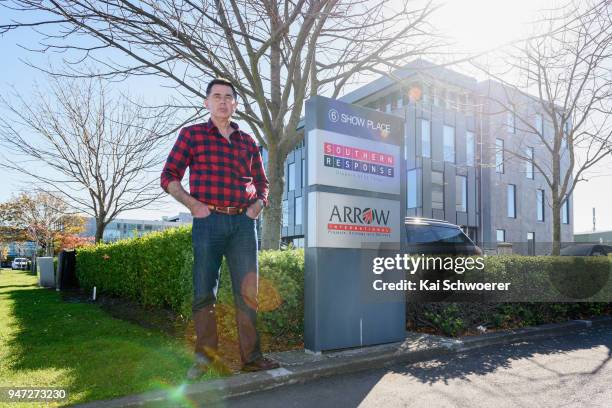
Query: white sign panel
341,160
346,221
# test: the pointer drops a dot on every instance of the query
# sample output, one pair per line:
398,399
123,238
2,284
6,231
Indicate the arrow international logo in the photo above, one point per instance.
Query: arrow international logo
357,160
362,220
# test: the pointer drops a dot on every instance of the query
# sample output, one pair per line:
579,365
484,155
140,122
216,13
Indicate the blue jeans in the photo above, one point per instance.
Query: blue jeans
235,237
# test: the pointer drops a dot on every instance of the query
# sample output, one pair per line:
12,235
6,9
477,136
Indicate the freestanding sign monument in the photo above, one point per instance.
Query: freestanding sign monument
355,202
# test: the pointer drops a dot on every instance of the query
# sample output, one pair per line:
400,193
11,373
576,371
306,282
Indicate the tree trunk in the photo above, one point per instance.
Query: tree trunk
99,231
272,219
49,247
556,170
556,212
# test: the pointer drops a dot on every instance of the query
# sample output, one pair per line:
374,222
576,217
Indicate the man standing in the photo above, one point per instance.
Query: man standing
228,189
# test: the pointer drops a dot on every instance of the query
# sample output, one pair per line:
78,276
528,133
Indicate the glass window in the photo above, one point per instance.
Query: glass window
529,163
437,190
412,188
511,200
564,136
548,130
436,96
298,242
303,173
291,177
501,235
510,122
469,148
539,123
461,193
451,100
298,211
499,155
449,144
285,213
426,93
399,99
565,212
429,234
388,104
540,204
425,138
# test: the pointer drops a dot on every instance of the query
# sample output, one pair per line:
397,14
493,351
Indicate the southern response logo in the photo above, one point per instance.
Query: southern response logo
365,220
358,160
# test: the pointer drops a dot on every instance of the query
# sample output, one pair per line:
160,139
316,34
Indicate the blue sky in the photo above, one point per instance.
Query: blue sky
473,24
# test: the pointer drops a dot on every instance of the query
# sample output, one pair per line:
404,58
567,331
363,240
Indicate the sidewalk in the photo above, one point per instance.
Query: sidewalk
299,366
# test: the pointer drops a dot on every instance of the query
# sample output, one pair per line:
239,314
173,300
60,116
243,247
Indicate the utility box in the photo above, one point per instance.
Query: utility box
45,271
66,273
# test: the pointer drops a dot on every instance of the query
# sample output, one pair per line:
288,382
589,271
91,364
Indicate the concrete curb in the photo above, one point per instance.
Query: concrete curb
416,348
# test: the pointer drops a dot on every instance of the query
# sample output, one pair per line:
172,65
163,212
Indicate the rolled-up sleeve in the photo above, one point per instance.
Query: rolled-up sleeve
178,160
259,177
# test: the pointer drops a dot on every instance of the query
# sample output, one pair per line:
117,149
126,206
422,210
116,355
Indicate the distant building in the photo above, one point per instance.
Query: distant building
121,228
21,249
183,218
602,237
456,168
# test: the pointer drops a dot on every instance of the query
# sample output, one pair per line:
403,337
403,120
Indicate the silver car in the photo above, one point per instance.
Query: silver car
20,263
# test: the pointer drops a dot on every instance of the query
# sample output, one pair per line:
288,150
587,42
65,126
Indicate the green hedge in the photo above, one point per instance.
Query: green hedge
455,319
552,278
546,289
156,270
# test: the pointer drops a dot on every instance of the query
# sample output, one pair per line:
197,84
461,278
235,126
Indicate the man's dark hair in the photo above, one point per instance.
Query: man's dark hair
220,81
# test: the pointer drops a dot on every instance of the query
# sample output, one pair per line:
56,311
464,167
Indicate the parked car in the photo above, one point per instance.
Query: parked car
436,239
586,250
430,236
20,263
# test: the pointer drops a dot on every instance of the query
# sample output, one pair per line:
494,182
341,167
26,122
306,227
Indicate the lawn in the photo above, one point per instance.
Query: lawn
46,342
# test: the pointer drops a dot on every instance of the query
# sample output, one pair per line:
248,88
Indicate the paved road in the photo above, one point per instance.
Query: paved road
570,371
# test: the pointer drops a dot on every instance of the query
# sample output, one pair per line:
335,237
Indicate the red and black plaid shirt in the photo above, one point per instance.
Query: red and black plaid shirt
220,173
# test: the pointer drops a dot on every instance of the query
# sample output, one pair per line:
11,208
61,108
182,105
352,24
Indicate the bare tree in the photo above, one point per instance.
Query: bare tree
276,52
97,153
563,105
42,216
4,251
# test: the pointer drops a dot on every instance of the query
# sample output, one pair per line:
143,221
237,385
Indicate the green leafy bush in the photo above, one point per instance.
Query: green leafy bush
546,289
446,319
156,270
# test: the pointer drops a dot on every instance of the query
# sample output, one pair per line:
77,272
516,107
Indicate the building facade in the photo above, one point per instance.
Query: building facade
601,237
516,198
21,249
122,228
455,171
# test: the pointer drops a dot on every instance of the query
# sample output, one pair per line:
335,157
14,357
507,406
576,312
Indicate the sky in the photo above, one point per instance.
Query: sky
472,26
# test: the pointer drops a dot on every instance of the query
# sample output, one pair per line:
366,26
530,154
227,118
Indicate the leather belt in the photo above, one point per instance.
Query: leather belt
226,210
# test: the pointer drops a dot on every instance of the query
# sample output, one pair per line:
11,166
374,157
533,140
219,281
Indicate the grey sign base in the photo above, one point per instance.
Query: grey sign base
337,302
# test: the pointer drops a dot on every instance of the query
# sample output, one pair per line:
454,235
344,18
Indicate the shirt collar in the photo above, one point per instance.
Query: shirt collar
211,124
